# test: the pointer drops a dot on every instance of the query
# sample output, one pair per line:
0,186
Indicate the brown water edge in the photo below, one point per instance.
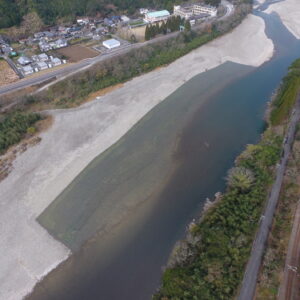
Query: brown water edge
95,258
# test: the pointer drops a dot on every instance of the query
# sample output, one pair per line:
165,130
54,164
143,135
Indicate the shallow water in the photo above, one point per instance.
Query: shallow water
157,178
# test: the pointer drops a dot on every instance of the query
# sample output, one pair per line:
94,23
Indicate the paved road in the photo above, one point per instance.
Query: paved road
77,67
251,274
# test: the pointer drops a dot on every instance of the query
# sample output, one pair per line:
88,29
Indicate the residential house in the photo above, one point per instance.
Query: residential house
24,60
41,65
27,70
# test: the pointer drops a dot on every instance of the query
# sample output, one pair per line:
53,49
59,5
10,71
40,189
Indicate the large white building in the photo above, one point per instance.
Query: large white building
111,44
196,9
156,16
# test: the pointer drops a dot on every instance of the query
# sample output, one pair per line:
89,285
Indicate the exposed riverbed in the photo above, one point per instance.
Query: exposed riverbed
174,158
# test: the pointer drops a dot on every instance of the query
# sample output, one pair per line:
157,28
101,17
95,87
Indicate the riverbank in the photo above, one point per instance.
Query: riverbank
289,12
43,172
210,262
275,278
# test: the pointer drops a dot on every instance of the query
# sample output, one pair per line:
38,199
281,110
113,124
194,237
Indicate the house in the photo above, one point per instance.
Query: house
6,49
108,22
144,11
52,45
41,65
156,16
125,19
55,61
49,35
111,44
27,70
44,46
38,35
24,60
43,57
84,21
61,43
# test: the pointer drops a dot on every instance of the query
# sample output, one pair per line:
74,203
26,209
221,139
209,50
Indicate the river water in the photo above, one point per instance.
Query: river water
173,159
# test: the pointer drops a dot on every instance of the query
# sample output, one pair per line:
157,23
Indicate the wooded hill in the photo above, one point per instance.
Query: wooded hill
12,11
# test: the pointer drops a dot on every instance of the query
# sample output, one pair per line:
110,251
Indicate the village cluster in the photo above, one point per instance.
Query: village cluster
36,63
98,30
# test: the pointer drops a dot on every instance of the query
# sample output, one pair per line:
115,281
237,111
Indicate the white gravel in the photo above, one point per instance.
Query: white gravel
289,12
77,136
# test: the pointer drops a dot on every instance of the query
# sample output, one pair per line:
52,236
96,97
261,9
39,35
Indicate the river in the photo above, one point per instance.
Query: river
173,159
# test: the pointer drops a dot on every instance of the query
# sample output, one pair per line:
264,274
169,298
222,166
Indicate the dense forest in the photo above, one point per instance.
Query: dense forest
13,127
12,11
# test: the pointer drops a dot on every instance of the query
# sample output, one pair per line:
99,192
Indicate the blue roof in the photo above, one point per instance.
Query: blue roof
157,14
112,42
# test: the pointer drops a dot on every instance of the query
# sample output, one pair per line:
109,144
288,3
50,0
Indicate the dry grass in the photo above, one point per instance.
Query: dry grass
7,74
102,92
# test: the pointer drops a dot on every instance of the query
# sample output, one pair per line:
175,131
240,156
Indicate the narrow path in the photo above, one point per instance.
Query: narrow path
252,269
289,288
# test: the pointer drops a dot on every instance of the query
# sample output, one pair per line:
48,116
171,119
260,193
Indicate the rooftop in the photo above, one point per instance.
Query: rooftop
111,42
157,14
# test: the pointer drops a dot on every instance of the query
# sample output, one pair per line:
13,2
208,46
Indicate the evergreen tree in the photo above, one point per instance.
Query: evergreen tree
187,26
147,33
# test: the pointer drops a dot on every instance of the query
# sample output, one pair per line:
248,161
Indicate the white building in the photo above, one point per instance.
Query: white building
24,60
42,65
199,9
156,16
27,70
43,57
44,46
111,44
55,61
144,11
61,43
193,10
125,19
185,12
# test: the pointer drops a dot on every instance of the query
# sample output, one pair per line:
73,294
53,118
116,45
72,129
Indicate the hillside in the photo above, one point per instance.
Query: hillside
12,11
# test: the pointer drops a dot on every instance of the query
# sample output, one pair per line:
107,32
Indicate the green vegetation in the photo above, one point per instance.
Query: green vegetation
13,127
9,13
240,178
224,237
171,25
287,94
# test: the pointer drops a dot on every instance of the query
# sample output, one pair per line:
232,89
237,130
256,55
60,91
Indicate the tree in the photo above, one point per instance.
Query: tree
133,39
187,26
240,178
147,33
163,28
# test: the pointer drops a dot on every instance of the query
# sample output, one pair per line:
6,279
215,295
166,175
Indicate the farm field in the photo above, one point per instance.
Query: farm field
7,74
76,53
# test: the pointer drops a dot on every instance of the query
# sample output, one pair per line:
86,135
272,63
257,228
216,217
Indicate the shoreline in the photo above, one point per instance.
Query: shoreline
289,16
44,171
